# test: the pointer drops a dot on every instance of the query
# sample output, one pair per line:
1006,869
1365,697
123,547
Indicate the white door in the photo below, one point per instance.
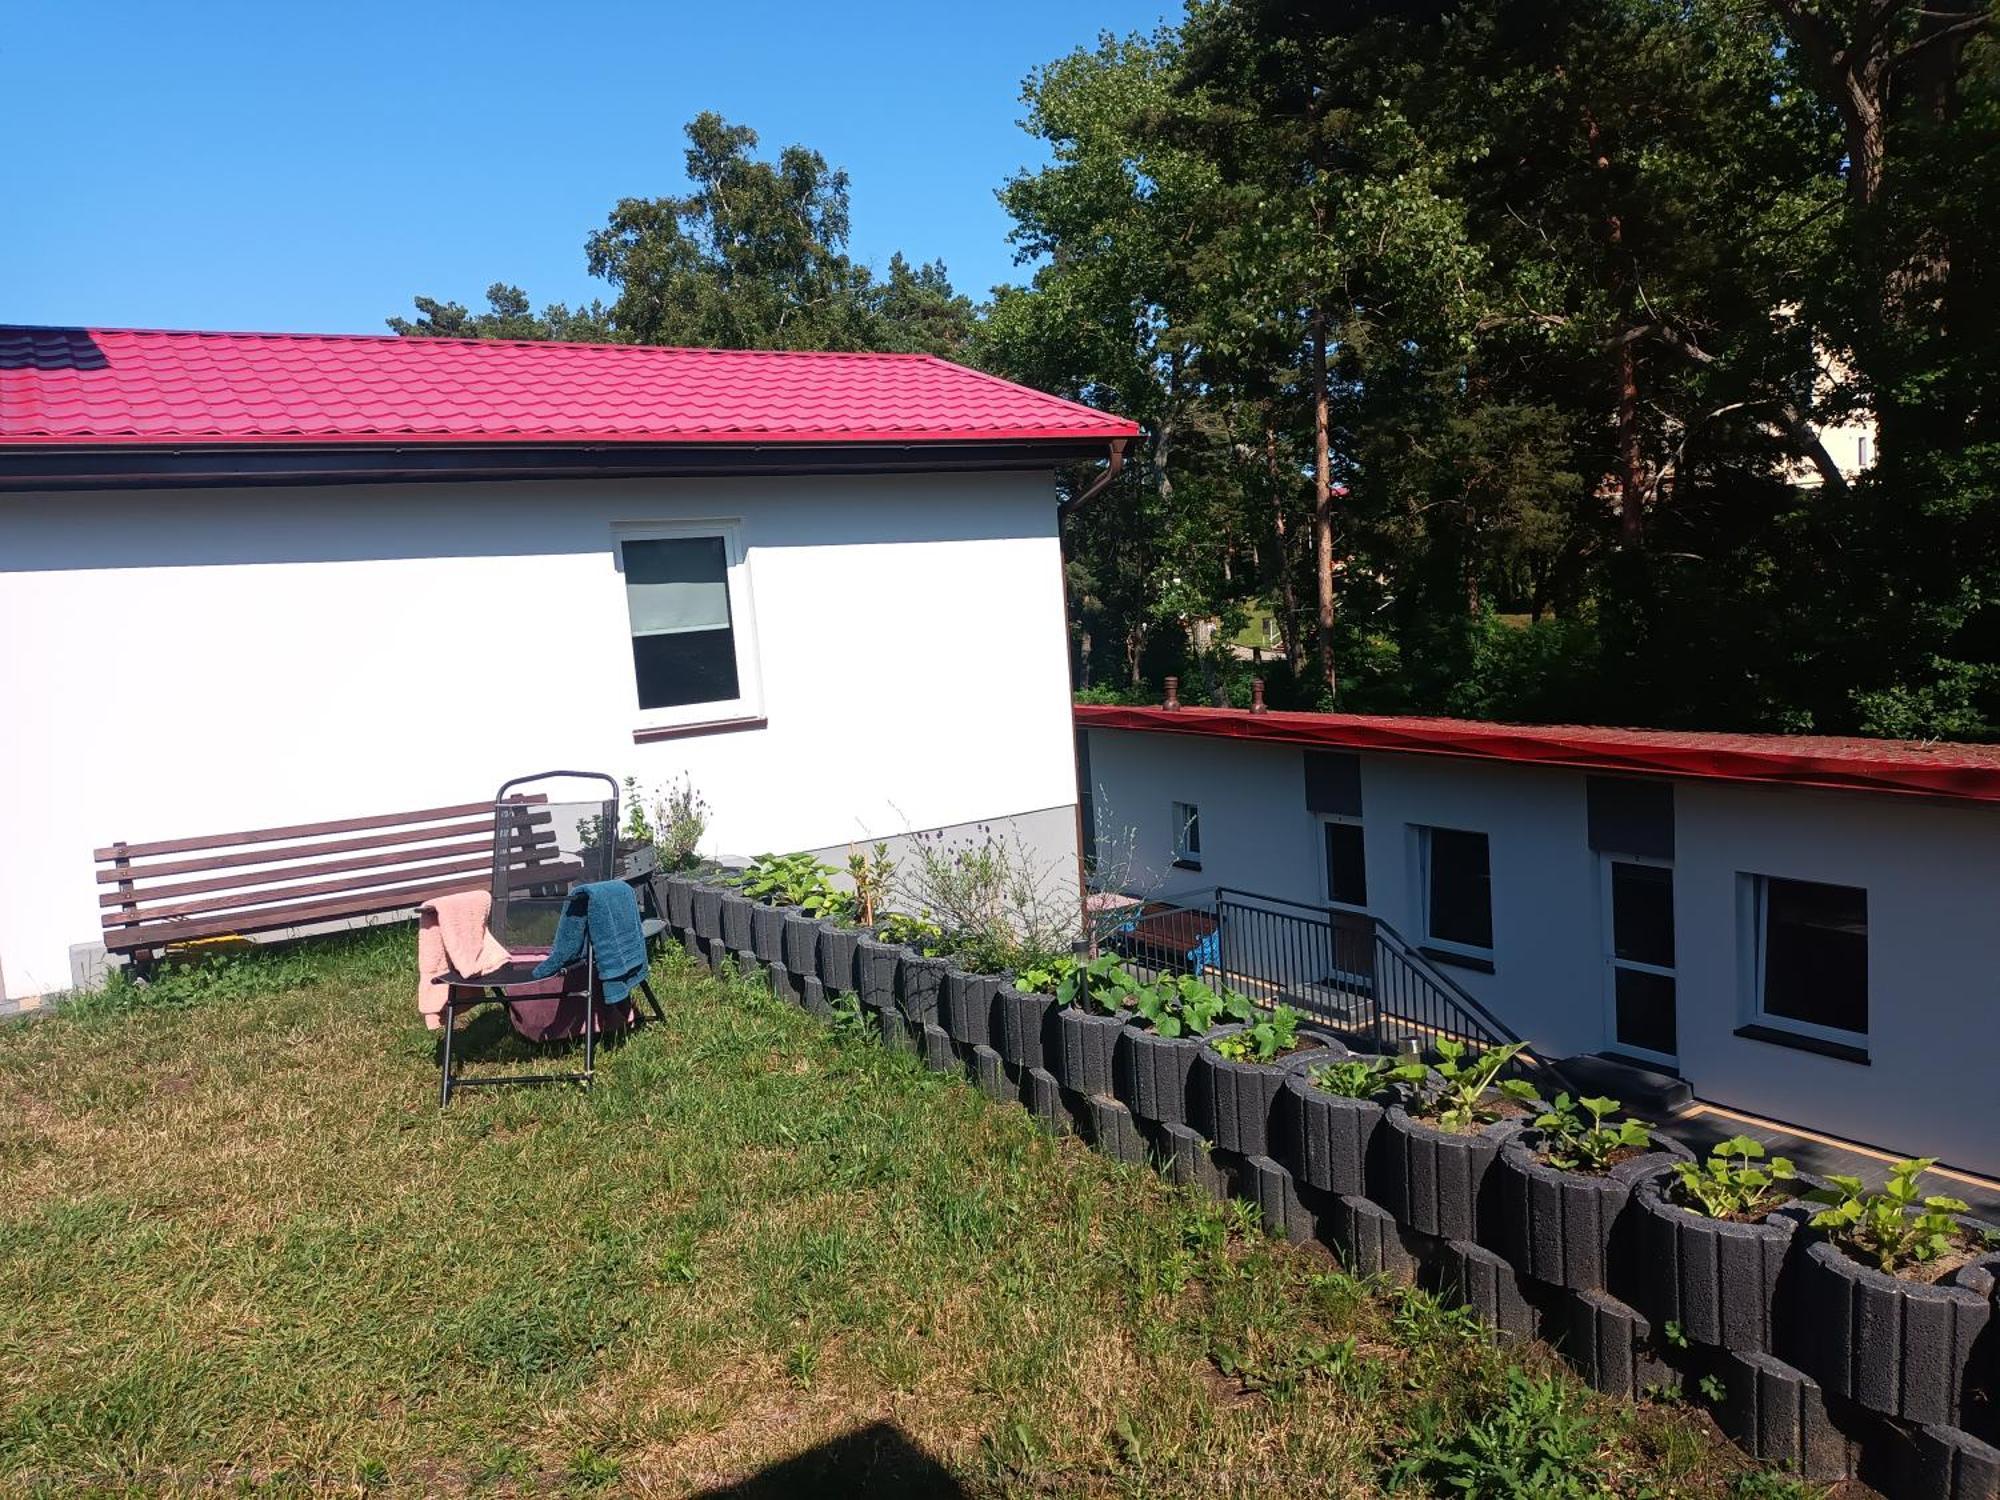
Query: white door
1638,906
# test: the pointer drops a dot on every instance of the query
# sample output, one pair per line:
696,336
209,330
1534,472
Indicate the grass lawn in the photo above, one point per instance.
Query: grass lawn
240,1249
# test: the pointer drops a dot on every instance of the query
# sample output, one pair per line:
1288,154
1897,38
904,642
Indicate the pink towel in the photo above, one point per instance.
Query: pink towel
452,937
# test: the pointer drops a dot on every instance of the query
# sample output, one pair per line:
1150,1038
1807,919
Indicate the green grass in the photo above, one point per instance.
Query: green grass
240,1249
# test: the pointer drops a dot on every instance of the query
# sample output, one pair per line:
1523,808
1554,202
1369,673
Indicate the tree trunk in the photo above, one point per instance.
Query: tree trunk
1323,504
1631,456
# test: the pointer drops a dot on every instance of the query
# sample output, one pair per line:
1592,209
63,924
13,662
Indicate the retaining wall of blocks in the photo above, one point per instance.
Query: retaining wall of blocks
1804,1357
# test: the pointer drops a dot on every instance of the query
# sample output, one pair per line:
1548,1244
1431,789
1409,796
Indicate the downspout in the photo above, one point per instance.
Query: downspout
1066,508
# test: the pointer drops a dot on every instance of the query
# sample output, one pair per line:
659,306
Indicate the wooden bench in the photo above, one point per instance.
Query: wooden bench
266,879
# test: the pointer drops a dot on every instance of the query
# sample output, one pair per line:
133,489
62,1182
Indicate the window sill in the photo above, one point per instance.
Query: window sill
1187,864
1453,960
1777,1036
707,726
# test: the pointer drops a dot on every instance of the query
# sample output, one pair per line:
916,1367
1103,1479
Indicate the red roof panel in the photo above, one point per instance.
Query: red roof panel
1910,767
105,385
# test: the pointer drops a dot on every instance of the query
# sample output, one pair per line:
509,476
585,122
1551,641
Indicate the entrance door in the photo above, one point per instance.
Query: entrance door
1639,957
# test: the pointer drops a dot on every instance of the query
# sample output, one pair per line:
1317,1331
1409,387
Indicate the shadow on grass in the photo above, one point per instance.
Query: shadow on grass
877,1460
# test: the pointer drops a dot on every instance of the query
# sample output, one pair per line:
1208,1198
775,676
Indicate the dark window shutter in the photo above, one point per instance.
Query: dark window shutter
1631,817
1333,782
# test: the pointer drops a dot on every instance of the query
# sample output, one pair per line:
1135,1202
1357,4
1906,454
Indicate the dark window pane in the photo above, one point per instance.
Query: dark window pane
1461,898
686,666
1346,864
1642,914
1646,1010
1816,953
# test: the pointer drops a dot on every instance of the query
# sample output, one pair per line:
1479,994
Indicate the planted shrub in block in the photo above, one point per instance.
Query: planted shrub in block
1240,1074
1337,1107
1435,1154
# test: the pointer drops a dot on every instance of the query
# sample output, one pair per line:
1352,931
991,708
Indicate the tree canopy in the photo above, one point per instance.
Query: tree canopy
1489,354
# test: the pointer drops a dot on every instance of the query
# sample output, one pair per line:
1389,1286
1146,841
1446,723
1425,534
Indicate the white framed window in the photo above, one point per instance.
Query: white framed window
1187,836
1808,959
1641,984
1455,889
693,629
1343,861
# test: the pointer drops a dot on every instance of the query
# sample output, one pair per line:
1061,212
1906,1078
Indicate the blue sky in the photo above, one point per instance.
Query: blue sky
304,166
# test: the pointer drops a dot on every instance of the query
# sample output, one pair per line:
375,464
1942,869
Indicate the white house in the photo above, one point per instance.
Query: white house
1804,929
249,580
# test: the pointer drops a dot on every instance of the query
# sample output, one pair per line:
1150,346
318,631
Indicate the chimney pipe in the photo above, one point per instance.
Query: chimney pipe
1173,693
1257,696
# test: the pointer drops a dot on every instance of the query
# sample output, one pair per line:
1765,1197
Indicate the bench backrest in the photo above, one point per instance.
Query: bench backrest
220,884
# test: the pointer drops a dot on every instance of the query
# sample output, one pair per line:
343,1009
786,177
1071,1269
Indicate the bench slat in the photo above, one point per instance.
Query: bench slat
207,862
144,894
302,830
160,934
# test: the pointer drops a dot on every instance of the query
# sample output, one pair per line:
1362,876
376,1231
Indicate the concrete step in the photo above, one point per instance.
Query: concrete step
1645,1092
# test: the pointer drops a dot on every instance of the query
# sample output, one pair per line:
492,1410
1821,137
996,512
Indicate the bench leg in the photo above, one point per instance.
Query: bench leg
444,1062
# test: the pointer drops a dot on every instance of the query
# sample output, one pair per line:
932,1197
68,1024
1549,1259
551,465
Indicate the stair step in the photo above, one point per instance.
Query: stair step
1645,1092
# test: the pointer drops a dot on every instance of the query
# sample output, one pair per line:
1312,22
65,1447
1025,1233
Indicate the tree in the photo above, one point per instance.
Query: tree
507,317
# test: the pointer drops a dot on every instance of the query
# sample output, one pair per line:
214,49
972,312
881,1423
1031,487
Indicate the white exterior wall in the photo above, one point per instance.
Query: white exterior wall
1931,870
182,662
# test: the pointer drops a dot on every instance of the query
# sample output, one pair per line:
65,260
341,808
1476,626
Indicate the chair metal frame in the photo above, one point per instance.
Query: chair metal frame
498,987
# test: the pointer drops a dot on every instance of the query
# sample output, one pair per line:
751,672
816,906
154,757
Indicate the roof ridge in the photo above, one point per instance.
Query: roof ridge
461,339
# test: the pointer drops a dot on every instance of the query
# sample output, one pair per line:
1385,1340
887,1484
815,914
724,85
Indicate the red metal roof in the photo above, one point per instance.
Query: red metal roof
1908,767
129,386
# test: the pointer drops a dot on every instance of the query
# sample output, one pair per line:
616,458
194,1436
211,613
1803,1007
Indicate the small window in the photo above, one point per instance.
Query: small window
1187,835
1346,861
1641,956
687,601
1812,956
1457,887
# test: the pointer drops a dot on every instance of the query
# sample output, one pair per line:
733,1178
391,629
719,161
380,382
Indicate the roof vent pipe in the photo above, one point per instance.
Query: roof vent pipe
1173,693
1257,696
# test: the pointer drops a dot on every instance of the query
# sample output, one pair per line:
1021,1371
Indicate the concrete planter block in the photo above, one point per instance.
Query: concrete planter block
812,995
1086,1050
965,1006
1023,1024
895,1028
917,984
678,893
1043,1097
1720,1281
782,984
715,953
1558,1226
1944,1463
705,910
799,943
1109,1126
1154,1075
1471,1276
1276,1193
1433,1182
767,931
938,1053
1896,1347
1332,1137
1245,1105
839,948
1608,1341
738,934
875,965
1777,1413
990,1076
1368,1240
1183,1155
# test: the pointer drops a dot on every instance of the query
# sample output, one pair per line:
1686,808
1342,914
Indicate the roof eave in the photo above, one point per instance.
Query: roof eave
42,466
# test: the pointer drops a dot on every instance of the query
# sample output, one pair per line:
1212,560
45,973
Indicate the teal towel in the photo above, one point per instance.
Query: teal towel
608,911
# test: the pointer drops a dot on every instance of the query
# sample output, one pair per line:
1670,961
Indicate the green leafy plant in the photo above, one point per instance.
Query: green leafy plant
1733,1183
872,874
1103,984
1265,1038
1897,1227
794,880
1365,1077
1576,1139
1465,1100
1182,1005
901,927
1045,977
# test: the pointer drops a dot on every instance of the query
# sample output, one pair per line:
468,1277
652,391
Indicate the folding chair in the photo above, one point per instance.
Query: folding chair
543,845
